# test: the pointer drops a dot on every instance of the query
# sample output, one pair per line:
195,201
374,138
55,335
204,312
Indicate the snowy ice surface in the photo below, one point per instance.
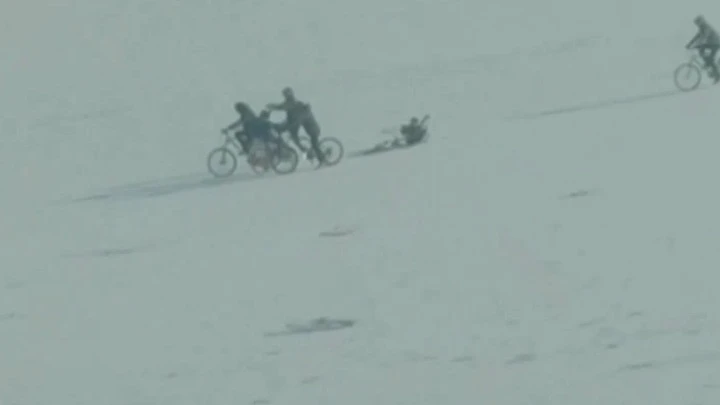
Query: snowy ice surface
555,243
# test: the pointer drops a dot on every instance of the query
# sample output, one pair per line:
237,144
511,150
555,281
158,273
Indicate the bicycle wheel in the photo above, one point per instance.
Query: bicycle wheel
259,158
285,160
307,145
333,150
687,77
221,162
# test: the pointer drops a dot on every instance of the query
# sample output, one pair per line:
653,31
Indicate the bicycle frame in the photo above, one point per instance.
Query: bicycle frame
230,140
696,60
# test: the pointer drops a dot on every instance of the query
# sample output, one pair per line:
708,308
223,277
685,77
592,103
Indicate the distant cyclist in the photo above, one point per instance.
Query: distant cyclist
707,42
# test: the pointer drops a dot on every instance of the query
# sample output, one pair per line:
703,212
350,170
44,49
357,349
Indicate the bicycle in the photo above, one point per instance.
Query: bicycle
689,74
331,148
262,157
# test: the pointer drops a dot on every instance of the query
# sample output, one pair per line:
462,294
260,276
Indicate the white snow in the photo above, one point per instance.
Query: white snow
556,242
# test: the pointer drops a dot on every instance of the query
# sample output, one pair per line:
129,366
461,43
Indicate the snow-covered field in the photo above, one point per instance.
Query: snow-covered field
556,242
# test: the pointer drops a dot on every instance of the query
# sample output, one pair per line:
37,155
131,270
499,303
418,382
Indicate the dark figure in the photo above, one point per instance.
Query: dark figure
299,115
251,127
707,42
414,131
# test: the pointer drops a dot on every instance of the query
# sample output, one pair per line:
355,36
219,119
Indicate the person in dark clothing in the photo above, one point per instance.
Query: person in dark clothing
707,42
414,131
251,127
299,114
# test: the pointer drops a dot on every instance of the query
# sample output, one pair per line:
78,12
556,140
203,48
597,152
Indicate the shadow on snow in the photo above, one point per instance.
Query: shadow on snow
313,326
172,185
607,103
380,149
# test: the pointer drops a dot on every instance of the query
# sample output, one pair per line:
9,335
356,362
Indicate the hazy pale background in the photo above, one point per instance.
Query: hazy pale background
471,273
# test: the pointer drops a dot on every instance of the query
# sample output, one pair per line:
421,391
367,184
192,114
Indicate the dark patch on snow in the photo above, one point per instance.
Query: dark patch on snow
711,356
172,185
309,380
9,316
609,338
113,252
579,194
591,322
164,187
600,104
638,366
337,232
313,326
376,150
387,146
522,358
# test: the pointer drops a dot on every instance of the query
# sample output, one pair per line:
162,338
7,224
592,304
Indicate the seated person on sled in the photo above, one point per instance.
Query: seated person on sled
412,133
415,131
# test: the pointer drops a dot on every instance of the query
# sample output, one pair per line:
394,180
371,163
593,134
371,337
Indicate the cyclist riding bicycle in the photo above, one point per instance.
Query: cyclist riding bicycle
707,42
251,127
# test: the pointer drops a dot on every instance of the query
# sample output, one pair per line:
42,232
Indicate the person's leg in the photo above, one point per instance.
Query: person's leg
294,131
313,131
712,54
706,55
244,143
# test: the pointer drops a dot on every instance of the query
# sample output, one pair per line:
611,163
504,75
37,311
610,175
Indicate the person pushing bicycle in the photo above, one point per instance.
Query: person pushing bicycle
299,114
